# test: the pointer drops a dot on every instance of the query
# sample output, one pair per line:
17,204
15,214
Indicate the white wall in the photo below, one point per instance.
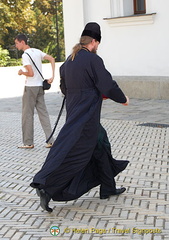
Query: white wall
95,10
73,23
77,13
137,50
140,50
12,85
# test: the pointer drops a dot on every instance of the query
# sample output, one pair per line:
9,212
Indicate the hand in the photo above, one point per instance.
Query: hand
104,97
50,80
20,72
127,102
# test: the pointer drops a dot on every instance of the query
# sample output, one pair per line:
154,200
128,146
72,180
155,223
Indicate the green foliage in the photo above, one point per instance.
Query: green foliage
15,15
4,57
49,35
40,20
14,62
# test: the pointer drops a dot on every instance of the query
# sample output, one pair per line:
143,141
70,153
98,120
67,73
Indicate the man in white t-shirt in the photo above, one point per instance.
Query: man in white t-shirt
33,96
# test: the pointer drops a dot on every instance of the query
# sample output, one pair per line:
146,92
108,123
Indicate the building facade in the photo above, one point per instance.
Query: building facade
134,45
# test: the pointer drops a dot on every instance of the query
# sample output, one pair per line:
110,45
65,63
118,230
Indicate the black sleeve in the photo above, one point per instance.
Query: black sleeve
62,86
62,81
105,83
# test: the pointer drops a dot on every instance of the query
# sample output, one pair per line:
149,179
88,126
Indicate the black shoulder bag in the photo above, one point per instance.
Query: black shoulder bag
46,85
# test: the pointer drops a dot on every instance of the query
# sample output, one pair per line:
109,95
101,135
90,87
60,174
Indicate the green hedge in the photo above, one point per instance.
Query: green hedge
5,59
14,62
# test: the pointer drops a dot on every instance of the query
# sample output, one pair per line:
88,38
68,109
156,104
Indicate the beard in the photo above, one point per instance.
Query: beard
94,51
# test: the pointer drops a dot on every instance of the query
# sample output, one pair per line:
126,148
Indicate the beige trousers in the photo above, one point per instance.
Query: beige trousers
33,98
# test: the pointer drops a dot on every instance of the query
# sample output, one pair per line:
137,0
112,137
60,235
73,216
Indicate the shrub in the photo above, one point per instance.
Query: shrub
14,62
4,57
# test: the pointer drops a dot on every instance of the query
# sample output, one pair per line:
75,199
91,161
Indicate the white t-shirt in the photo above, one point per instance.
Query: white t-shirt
37,56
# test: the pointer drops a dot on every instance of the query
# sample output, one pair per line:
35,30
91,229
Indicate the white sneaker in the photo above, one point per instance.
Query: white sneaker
26,146
49,145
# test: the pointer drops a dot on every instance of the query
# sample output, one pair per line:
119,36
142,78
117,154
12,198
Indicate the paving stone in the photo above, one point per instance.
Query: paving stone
144,204
26,237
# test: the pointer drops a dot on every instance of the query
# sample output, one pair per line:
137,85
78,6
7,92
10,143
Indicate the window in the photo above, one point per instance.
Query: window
139,6
122,8
129,13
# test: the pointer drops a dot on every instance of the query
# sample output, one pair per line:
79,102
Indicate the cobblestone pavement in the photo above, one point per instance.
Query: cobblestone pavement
142,212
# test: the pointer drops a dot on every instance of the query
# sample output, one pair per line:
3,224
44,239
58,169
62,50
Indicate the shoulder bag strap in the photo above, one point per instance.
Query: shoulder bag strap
56,123
35,65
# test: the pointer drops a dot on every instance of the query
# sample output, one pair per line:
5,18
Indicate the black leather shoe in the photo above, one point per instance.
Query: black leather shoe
44,199
37,192
118,191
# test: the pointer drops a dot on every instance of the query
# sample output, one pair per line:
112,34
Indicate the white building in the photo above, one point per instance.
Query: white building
135,41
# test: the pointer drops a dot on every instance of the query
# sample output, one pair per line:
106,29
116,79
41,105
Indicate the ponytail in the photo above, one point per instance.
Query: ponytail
84,40
76,49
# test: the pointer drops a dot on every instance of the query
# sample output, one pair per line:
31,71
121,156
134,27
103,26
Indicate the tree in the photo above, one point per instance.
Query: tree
49,27
16,16
40,20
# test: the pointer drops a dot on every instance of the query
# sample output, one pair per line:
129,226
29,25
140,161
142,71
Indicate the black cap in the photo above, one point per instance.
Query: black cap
92,29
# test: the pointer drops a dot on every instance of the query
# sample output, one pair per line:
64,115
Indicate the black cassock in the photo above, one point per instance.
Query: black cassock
77,161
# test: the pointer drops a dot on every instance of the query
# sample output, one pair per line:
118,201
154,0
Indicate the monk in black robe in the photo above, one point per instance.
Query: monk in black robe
80,158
